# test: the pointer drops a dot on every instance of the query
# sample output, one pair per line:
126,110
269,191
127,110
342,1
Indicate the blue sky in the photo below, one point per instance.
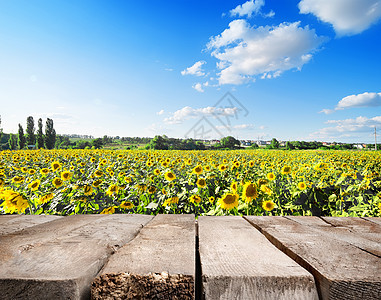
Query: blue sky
294,70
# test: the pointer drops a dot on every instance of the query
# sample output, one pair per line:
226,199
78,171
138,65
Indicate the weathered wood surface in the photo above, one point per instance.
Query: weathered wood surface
342,269
165,247
356,232
360,228
13,223
59,259
373,219
238,262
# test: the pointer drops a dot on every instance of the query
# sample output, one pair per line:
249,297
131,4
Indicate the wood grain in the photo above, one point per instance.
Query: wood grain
341,269
238,262
59,259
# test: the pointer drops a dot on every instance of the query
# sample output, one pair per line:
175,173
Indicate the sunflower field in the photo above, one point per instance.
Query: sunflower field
237,182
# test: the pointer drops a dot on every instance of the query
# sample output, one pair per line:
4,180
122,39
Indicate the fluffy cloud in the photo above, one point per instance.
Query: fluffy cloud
188,112
160,112
244,51
198,87
360,100
359,128
348,17
237,127
196,69
248,8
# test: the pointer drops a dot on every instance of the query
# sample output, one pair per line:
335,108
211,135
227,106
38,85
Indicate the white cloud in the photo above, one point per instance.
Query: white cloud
248,8
348,17
198,87
188,112
360,100
168,69
244,51
196,69
359,128
160,112
243,126
237,127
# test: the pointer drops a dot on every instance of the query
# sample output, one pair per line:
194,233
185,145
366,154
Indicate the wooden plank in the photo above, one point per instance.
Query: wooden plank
159,263
309,220
6,218
376,220
366,237
361,227
341,270
13,223
238,262
59,259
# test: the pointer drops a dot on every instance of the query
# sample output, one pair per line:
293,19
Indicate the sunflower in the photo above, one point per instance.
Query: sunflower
222,168
197,170
44,171
66,175
98,173
266,189
302,186
195,199
88,190
156,171
34,185
45,198
126,205
169,176
251,163
97,183
286,170
173,200
56,166
262,181
57,182
140,187
229,201
211,199
151,189
234,186
128,179
17,179
249,192
270,176
201,183
32,171
112,190
268,205
108,211
14,201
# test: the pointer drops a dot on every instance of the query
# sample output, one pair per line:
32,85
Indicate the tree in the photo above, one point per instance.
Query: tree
230,142
289,146
40,135
274,143
12,142
30,138
97,143
21,139
50,134
159,143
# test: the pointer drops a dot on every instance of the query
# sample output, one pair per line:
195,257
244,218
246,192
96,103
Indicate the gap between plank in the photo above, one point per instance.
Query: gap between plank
198,292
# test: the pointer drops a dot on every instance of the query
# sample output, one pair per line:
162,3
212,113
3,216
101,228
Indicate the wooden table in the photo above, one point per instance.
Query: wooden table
179,257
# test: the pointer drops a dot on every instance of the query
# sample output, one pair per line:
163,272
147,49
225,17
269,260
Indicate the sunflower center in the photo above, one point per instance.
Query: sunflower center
229,199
